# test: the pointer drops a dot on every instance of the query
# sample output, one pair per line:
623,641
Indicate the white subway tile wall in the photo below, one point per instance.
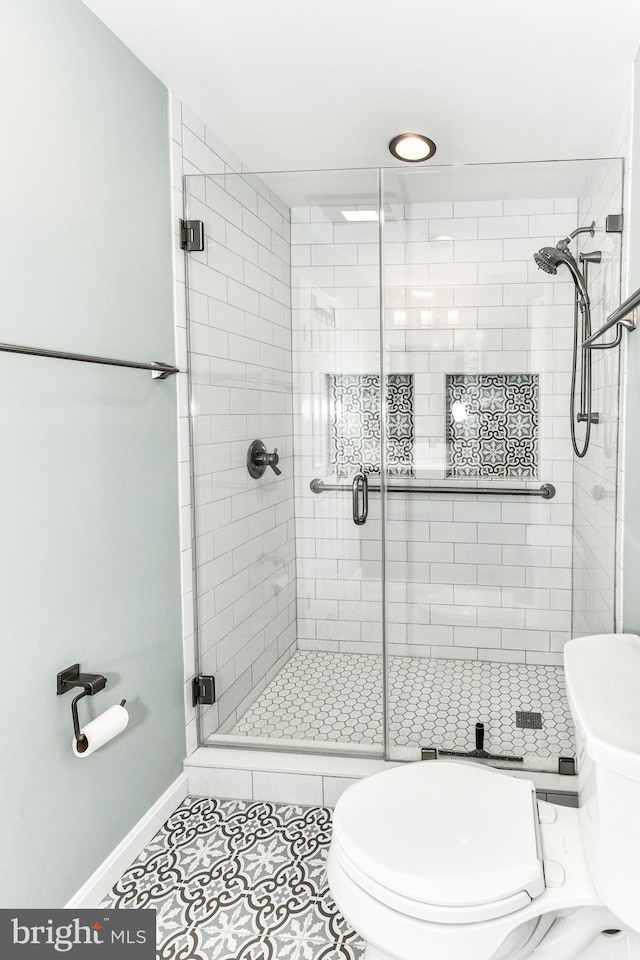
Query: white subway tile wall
468,576
240,364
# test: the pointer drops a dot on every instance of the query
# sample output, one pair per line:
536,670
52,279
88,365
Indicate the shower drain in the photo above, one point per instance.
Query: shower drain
528,720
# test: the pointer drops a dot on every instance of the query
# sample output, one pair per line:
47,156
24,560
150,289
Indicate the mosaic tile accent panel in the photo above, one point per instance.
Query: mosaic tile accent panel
492,425
337,697
240,880
354,424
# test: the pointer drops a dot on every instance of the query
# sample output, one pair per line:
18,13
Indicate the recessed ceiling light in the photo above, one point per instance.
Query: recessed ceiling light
412,147
360,215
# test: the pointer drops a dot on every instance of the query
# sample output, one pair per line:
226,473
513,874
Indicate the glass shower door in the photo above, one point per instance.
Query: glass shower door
284,320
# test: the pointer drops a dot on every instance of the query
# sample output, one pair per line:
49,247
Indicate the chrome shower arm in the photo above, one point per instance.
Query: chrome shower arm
563,244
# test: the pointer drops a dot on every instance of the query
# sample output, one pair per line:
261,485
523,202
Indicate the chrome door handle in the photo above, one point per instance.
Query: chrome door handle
360,498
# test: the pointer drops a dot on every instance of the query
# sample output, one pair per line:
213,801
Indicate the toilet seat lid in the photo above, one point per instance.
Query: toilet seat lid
451,834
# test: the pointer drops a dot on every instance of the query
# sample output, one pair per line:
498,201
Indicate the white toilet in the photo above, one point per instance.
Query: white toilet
453,860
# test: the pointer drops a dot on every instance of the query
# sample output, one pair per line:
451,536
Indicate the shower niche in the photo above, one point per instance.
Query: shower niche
354,424
492,425
484,547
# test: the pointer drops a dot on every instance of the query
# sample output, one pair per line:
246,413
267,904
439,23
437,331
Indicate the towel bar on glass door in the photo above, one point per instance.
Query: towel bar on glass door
547,491
159,371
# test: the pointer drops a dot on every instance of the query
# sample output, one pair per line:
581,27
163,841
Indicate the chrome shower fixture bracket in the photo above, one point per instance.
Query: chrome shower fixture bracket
614,223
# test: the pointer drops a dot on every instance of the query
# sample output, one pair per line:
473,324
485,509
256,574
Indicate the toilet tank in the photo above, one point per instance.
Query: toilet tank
602,675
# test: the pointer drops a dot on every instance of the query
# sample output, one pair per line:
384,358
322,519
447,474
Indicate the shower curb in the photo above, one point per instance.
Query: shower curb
303,778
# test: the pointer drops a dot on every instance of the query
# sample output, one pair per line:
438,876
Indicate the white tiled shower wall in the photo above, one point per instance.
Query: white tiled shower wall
469,577
240,348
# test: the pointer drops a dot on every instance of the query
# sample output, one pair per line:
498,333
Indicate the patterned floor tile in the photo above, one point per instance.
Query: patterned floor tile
337,698
233,932
238,880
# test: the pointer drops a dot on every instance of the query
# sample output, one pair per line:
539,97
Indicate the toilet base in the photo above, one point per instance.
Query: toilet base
623,946
561,934
393,936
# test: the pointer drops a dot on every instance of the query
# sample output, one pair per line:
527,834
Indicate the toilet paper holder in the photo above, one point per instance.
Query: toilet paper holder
90,682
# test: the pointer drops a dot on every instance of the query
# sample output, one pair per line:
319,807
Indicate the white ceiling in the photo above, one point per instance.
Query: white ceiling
295,84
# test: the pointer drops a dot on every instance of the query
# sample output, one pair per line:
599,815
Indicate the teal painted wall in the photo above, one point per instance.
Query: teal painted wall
89,555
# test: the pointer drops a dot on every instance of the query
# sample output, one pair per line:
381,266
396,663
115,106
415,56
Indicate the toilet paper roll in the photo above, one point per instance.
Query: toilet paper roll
99,731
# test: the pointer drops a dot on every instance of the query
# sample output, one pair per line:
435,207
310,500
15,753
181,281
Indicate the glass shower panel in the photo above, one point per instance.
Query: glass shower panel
480,560
595,580
284,320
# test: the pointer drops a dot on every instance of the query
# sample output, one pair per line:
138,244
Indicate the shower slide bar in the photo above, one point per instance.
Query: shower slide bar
624,316
159,371
547,491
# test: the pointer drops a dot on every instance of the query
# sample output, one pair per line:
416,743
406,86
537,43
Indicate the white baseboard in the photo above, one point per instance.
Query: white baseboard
110,870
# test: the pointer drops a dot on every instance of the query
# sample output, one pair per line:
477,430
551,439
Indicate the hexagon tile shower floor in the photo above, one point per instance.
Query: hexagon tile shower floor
337,697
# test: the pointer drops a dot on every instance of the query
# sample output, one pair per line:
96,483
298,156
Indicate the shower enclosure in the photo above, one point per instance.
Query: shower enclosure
405,557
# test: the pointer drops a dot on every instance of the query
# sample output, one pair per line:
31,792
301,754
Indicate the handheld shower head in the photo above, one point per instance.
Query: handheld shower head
547,259
550,258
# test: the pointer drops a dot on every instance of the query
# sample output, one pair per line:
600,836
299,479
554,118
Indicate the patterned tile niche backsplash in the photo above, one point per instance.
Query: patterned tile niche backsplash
492,425
354,424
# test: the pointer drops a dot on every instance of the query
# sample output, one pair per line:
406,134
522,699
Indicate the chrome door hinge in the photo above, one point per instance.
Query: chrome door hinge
192,235
203,690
